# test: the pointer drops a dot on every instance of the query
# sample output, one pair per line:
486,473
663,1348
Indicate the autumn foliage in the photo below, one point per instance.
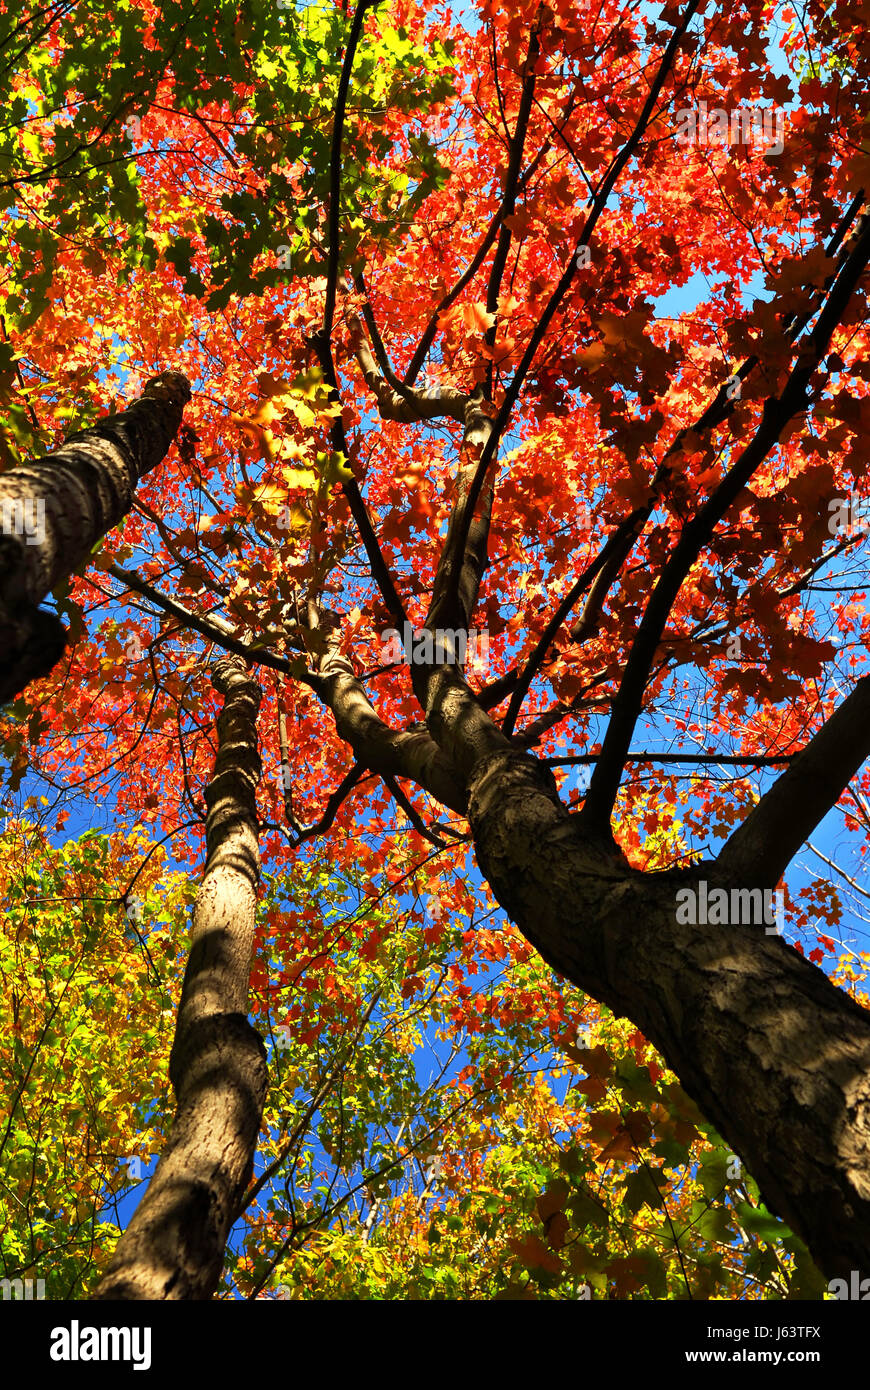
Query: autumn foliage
495,230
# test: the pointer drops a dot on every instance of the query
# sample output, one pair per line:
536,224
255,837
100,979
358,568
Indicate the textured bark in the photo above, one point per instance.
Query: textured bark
773,1053
408,754
174,1245
77,494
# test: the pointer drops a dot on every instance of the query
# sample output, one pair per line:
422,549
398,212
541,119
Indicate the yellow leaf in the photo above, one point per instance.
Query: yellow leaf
304,414
300,477
270,497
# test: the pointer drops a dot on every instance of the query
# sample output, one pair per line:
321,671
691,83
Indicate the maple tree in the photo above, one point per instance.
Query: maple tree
277,206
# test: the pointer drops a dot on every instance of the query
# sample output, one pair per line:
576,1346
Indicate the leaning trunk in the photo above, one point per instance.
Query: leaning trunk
174,1245
55,510
772,1053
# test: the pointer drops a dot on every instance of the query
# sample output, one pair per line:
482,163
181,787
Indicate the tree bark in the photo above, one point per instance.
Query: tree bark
174,1245
53,512
774,1055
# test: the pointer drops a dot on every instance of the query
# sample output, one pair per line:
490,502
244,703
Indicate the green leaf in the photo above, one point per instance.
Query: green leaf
760,1222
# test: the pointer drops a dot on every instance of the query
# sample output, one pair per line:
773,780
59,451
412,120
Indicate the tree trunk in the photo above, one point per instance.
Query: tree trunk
774,1055
174,1245
55,510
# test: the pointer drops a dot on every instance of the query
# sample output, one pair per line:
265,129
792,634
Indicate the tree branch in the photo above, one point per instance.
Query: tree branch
450,555
472,268
409,753
517,145
777,412
335,164
613,547
761,848
412,814
622,541
728,759
215,629
400,402
322,339
330,810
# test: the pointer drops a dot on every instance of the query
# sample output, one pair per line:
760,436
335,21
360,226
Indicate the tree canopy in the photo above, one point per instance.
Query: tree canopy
433,452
